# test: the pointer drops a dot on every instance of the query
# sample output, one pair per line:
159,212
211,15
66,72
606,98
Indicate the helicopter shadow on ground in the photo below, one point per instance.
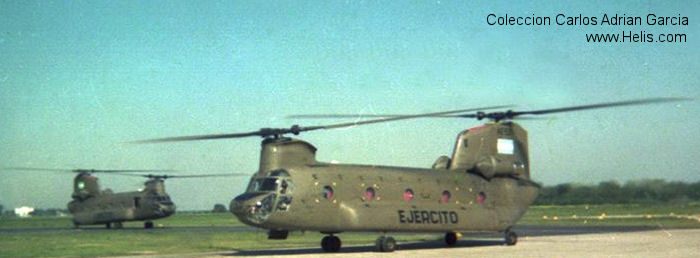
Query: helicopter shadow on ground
484,239
366,248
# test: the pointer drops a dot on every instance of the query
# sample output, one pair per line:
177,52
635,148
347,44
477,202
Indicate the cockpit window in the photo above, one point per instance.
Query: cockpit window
269,184
279,172
263,184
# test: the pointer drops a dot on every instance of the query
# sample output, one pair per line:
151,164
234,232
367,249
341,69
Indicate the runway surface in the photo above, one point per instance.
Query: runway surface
539,241
650,243
522,230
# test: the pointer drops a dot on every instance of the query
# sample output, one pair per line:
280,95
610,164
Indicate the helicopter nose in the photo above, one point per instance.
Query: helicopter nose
241,202
167,209
248,207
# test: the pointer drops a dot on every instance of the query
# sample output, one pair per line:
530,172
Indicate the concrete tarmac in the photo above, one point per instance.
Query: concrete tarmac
534,241
626,243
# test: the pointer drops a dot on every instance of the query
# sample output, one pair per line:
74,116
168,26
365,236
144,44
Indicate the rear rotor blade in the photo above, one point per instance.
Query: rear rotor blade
296,129
389,119
600,105
409,116
510,114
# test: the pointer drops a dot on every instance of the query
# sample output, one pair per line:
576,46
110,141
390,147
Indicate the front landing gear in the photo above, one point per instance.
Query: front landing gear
510,237
148,224
451,239
385,244
330,244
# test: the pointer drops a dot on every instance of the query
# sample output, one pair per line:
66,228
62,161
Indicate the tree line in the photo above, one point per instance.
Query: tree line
608,192
612,192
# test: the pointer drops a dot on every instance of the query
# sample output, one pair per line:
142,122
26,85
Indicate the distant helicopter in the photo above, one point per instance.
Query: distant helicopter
92,206
484,186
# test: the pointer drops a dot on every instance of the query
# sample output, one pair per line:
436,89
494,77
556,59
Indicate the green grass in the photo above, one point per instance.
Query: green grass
177,220
115,242
90,242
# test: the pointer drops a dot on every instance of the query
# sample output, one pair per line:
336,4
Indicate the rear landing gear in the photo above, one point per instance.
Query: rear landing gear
385,244
330,244
451,239
510,237
148,224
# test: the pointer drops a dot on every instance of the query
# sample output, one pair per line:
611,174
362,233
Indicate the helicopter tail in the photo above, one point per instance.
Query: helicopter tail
494,149
85,186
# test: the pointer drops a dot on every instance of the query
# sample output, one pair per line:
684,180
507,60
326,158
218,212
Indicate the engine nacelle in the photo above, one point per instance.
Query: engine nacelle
491,166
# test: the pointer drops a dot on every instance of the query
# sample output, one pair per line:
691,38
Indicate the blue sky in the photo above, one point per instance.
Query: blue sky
78,79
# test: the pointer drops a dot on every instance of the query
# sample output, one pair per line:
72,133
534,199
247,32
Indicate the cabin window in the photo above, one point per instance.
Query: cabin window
370,193
328,192
481,197
505,146
445,197
408,195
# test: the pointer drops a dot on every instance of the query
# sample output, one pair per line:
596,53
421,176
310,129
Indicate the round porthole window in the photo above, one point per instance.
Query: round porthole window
445,197
370,193
328,192
481,197
408,195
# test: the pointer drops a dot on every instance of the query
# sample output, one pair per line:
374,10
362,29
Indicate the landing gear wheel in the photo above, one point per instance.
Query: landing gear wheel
511,238
108,225
148,224
451,239
385,244
330,244
378,244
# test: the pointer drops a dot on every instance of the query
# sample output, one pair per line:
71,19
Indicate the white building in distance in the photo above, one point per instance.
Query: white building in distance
23,212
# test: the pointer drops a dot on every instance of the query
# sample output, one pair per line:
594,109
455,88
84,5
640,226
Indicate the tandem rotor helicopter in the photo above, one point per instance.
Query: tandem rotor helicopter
484,186
92,206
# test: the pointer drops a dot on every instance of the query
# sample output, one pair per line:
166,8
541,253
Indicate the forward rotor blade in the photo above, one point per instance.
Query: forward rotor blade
81,170
125,170
186,176
200,137
39,169
210,175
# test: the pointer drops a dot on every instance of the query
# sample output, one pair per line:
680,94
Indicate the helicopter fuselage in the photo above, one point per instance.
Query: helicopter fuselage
294,192
120,207
327,198
91,206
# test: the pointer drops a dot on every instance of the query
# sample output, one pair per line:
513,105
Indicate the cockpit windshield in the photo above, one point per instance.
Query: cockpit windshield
263,184
163,199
